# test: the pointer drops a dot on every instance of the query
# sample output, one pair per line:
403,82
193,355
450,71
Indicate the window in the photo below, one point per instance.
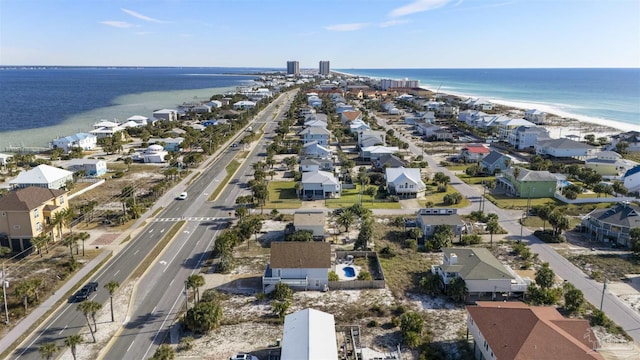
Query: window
38,226
61,199
36,213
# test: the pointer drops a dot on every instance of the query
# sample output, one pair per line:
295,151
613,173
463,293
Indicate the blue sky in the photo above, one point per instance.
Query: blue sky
349,33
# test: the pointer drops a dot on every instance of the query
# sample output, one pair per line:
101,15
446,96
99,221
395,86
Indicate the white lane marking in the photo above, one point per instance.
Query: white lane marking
150,231
154,309
129,348
116,273
161,231
176,254
136,252
162,325
65,328
171,283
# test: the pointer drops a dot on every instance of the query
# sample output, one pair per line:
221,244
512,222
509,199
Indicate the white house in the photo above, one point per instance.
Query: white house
358,125
469,116
139,119
4,158
215,104
91,167
104,128
166,114
83,141
315,133
314,150
244,105
480,270
525,137
44,176
153,154
310,219
368,138
320,185
535,116
564,148
507,125
300,265
309,334
427,219
307,165
375,152
404,182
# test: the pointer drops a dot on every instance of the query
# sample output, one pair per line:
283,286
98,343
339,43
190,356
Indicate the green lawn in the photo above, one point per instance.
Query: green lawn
352,196
473,180
436,197
282,195
535,222
508,202
457,167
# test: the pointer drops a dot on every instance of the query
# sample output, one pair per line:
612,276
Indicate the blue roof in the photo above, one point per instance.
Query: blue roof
632,171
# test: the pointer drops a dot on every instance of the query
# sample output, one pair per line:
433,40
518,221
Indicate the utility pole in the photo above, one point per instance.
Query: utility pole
604,287
4,295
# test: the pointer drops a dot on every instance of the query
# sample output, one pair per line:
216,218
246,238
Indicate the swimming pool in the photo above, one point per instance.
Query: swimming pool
349,272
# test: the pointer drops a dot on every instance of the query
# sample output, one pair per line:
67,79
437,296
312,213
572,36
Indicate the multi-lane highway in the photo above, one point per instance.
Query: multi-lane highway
159,294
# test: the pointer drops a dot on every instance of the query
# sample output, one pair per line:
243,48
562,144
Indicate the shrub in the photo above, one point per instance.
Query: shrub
387,252
333,276
364,275
282,292
117,175
470,239
393,198
372,323
549,236
411,244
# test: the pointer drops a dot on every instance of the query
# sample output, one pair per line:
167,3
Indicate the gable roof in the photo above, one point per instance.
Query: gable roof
41,174
318,176
309,334
75,137
391,160
401,173
564,144
494,157
532,175
476,264
315,130
476,149
632,171
300,255
515,331
351,115
27,198
625,214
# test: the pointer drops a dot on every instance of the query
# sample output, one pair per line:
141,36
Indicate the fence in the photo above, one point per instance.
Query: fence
377,274
98,183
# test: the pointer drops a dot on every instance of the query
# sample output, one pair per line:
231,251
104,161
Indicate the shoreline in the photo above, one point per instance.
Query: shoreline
598,126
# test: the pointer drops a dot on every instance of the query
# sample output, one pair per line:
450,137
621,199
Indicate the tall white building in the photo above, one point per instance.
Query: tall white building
404,83
324,68
293,67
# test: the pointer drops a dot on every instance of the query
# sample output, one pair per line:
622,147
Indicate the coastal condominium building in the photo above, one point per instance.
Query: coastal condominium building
404,83
293,67
324,68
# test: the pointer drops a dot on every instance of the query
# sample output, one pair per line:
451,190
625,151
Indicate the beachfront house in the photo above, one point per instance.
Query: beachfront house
300,265
524,183
632,179
535,116
312,220
243,105
320,185
90,167
105,128
404,182
526,137
139,119
495,162
429,218
44,176
515,330
564,148
609,164
507,125
166,114
26,213
482,273
4,159
630,137
309,334
82,141
613,224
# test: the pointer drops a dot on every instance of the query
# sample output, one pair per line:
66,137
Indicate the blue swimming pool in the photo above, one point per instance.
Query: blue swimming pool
349,271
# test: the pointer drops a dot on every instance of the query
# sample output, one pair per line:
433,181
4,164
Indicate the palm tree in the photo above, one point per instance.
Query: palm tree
48,350
72,341
195,282
83,236
58,221
86,308
112,286
24,290
458,290
346,219
543,213
36,284
68,216
40,241
492,227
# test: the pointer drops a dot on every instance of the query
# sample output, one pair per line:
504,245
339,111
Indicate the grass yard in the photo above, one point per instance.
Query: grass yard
282,195
507,202
535,222
457,167
352,196
436,197
473,180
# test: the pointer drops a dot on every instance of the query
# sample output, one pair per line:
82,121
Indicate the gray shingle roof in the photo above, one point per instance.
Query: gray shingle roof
625,215
565,144
299,255
28,198
477,264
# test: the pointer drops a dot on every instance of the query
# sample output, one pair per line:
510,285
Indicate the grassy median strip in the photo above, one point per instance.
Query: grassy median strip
231,169
157,250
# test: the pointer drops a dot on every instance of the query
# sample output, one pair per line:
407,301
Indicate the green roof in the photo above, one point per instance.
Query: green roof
476,264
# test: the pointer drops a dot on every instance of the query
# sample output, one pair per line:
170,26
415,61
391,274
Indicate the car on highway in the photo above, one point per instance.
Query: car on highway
243,357
182,196
85,291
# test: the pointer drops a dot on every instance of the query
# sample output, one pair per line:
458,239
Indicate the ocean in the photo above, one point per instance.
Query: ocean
602,96
38,104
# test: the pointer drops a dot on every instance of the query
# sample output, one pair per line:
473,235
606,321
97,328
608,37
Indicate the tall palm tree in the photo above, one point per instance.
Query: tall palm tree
346,219
72,341
36,284
195,281
24,291
40,241
112,286
492,227
58,221
68,216
48,350
86,308
83,236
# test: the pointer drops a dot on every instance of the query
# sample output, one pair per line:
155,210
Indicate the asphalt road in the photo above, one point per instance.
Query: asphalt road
160,292
618,311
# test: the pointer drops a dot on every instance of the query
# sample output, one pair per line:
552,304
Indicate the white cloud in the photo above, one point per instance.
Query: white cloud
141,17
117,24
418,6
143,33
346,27
392,23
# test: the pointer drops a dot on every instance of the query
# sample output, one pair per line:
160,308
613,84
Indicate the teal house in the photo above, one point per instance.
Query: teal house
522,183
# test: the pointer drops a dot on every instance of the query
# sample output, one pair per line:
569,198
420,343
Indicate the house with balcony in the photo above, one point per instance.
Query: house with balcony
315,133
349,116
320,185
429,218
357,126
507,125
44,176
482,273
26,213
312,220
311,164
526,137
524,183
387,161
609,164
91,167
166,114
495,162
564,148
404,182
630,137
535,116
473,153
313,150
613,224
81,141
300,265
515,330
